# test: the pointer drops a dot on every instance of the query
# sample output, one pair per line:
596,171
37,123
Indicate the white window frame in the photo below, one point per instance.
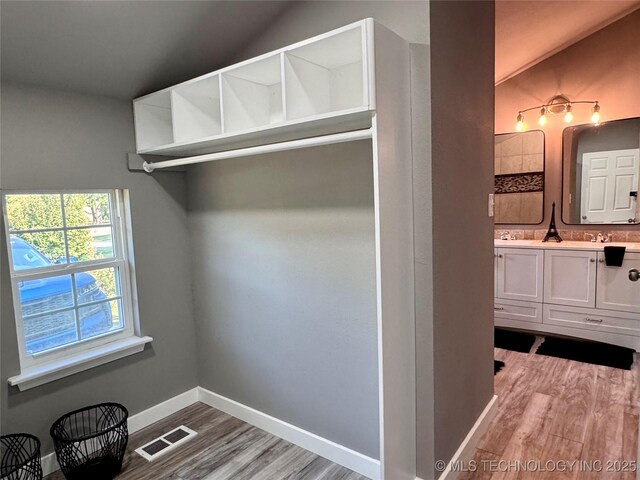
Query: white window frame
41,367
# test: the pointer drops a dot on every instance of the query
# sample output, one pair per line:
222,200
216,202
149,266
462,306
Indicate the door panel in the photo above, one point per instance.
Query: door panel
608,178
520,274
570,278
615,290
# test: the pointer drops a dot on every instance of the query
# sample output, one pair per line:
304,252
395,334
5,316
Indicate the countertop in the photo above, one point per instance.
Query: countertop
568,245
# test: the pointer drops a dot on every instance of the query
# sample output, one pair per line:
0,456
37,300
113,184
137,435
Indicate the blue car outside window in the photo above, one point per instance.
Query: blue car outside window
37,297
25,256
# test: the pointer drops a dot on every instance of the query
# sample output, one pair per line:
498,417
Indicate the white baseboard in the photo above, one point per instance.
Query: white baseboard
49,464
465,451
158,412
339,454
367,466
139,421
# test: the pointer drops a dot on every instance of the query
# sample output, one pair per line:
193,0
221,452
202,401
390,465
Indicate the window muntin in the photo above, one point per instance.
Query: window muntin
70,272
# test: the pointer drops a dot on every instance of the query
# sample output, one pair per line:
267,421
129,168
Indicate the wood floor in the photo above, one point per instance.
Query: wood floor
224,449
551,410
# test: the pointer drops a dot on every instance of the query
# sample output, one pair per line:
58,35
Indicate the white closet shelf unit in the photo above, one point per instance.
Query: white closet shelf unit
318,86
350,84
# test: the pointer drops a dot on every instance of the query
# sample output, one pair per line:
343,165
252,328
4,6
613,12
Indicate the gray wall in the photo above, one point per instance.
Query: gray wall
284,285
462,52
56,140
284,263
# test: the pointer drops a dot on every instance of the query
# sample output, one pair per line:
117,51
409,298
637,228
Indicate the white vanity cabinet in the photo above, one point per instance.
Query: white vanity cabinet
520,274
570,277
615,290
568,289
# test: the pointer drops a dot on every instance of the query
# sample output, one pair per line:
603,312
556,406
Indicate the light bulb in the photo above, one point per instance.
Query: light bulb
595,117
568,117
520,123
543,117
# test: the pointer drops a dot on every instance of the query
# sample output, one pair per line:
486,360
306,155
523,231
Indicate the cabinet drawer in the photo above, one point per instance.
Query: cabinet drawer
520,311
592,319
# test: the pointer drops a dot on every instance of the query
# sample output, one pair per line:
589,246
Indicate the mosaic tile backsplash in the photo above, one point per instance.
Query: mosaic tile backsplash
632,236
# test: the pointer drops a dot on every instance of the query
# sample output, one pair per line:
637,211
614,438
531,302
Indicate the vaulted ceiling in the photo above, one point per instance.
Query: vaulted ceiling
125,48
529,31
128,48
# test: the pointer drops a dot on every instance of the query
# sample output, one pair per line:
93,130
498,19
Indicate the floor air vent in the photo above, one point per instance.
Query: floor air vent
166,443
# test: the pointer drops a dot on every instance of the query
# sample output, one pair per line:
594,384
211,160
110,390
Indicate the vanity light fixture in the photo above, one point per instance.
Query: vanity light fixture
542,121
568,116
558,105
595,117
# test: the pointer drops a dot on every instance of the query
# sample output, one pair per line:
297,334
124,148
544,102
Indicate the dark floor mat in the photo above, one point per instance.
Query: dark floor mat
587,352
497,366
510,340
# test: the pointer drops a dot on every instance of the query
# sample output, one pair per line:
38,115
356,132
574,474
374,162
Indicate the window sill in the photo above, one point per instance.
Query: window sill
41,374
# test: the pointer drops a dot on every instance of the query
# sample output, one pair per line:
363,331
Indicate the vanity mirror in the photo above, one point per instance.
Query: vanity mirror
519,178
601,170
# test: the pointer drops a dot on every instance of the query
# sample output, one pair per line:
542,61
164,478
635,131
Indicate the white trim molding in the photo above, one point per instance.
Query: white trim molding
139,421
465,451
367,466
77,362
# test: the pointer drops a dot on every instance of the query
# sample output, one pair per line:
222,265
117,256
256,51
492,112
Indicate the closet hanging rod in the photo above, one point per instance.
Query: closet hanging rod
343,137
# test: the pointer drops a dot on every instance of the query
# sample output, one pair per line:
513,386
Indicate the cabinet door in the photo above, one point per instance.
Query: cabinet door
520,274
570,277
495,272
615,291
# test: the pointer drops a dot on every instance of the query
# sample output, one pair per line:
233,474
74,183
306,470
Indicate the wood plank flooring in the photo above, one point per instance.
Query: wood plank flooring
552,410
224,449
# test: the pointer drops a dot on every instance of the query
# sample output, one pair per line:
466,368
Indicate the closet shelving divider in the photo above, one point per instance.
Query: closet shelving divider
348,84
314,87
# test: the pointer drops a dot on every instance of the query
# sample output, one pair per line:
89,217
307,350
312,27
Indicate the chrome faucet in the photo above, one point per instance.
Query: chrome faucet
507,236
604,237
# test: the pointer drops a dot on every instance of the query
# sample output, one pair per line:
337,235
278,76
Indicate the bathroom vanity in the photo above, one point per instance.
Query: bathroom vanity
567,289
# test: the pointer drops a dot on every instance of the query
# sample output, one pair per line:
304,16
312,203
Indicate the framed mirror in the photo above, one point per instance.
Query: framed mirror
600,173
519,178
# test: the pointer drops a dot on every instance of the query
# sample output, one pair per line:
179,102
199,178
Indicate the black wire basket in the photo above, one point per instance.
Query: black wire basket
90,443
20,457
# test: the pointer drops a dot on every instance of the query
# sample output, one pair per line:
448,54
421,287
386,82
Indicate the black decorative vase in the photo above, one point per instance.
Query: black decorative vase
552,233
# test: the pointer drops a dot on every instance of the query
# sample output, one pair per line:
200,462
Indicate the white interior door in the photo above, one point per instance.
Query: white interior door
608,179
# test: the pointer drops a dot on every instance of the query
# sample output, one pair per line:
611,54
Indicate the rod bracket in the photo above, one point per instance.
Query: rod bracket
147,163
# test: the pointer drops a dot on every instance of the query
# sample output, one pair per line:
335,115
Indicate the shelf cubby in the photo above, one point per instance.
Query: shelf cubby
252,95
153,120
325,76
196,109
315,87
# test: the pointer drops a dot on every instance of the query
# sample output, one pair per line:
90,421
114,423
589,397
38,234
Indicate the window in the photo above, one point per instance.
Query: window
71,270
